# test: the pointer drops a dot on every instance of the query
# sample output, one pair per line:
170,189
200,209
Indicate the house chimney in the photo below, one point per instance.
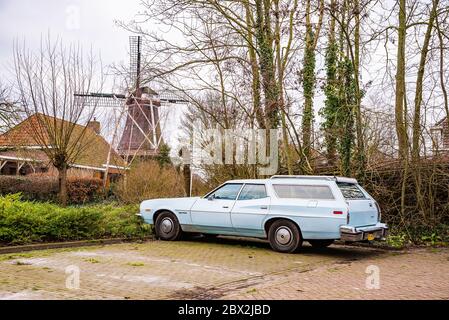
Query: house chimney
94,125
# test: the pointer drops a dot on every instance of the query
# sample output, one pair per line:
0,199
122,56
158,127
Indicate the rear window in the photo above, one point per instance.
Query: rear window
303,191
351,191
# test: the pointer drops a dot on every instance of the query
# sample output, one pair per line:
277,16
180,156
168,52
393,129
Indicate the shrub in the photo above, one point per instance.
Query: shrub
26,221
148,180
83,190
45,188
42,188
428,224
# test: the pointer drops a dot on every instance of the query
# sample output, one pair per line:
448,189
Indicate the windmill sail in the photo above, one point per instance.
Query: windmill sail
135,44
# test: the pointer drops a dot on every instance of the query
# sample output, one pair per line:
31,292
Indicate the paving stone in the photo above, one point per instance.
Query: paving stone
223,269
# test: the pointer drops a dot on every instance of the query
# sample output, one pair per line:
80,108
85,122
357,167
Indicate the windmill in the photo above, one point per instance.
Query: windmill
142,134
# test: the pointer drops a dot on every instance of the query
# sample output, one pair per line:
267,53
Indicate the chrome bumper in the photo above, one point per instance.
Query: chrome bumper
377,232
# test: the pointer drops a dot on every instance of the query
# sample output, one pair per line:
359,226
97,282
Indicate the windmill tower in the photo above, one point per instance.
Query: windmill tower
142,133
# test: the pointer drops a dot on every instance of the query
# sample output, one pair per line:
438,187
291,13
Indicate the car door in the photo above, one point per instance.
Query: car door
313,206
212,214
250,210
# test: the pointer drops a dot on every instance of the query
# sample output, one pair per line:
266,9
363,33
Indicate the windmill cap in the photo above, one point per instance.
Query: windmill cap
148,90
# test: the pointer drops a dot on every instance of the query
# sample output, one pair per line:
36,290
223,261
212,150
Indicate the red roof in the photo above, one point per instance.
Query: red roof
32,132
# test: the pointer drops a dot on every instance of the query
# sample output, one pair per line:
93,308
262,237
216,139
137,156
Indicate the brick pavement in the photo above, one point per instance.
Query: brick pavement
223,269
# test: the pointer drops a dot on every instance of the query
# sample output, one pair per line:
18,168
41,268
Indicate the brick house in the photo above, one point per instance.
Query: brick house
440,136
21,154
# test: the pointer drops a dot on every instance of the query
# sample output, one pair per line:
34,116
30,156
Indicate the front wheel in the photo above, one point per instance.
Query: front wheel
167,227
284,236
321,243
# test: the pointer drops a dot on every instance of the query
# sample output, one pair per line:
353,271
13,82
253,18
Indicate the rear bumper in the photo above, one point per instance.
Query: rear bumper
378,232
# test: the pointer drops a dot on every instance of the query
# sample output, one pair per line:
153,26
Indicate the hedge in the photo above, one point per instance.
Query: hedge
26,221
45,188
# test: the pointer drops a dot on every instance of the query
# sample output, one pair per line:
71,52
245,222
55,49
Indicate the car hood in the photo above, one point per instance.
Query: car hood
184,203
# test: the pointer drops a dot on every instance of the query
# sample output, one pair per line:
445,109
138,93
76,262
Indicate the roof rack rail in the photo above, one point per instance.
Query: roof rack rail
327,178
303,177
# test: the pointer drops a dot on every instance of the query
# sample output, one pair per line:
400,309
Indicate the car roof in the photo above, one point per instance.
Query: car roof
248,181
296,179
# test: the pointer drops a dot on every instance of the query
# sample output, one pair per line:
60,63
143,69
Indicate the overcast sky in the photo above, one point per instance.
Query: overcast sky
89,22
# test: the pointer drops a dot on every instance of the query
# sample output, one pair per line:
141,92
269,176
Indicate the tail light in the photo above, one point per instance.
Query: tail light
379,212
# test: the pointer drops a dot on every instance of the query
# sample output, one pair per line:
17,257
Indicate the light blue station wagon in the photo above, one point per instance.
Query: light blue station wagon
283,209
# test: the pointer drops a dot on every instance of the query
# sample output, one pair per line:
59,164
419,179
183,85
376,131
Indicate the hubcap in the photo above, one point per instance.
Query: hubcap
283,235
166,225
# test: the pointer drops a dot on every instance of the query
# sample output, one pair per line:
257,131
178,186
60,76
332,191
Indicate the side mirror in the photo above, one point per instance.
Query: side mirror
211,197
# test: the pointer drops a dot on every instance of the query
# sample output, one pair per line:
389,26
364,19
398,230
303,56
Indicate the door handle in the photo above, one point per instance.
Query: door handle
226,207
312,204
263,207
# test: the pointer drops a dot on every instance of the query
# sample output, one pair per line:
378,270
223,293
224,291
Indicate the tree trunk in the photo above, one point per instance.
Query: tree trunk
187,178
400,110
358,106
266,62
258,112
419,84
400,114
308,83
330,91
442,81
62,180
346,98
417,130
331,102
280,69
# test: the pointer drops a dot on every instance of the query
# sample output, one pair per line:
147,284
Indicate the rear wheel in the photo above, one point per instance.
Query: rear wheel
284,236
167,227
321,243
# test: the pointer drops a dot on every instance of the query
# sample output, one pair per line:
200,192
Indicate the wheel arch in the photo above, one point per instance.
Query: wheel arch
159,211
270,221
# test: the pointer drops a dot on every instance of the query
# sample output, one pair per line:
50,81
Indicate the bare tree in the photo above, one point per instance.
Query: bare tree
46,82
238,50
7,107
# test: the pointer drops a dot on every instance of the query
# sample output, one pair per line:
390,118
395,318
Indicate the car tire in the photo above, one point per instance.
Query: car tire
167,227
284,236
321,243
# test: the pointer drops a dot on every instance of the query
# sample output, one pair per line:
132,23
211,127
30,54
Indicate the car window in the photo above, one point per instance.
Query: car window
303,191
351,191
253,191
227,192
